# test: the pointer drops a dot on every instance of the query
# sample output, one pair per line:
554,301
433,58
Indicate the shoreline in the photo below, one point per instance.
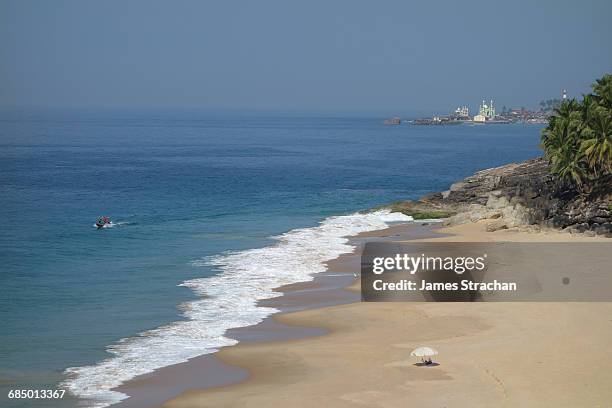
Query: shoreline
224,300
376,339
329,288
479,211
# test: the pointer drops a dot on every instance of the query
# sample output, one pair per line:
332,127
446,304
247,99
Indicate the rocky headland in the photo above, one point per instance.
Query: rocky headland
519,195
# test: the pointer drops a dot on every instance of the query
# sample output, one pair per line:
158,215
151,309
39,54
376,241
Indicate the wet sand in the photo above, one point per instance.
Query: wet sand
491,354
327,289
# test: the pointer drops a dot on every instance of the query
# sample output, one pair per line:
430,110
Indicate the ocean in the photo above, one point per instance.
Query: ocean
209,214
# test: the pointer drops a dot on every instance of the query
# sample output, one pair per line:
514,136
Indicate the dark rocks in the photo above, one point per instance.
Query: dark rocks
582,227
602,229
431,197
559,221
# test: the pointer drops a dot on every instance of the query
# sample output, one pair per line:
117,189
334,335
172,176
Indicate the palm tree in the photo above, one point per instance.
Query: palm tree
602,89
560,143
573,171
578,139
597,141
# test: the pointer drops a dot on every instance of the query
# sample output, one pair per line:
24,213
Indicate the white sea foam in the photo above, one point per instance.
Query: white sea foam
113,224
228,300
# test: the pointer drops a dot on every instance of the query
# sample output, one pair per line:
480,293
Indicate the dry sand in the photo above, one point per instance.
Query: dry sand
491,354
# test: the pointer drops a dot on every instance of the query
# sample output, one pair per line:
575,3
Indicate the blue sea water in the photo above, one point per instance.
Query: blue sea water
196,201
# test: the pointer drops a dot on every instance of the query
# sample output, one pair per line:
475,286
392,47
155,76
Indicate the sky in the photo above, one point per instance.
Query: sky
383,57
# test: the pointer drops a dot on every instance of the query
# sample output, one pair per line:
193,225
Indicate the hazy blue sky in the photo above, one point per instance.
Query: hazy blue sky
394,57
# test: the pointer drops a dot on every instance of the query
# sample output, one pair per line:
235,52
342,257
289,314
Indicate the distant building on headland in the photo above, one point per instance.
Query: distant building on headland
485,112
462,112
393,121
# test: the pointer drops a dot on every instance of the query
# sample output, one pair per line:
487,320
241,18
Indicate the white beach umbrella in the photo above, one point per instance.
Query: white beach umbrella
424,352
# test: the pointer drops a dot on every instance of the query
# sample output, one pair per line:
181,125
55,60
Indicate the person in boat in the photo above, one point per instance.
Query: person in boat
102,221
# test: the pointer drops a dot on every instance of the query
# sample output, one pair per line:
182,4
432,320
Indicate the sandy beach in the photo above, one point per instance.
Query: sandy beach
491,354
294,204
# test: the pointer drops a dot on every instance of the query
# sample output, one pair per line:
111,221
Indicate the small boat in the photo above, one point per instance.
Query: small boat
103,222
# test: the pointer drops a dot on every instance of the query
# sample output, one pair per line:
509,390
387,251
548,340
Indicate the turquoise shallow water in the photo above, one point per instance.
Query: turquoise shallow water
184,189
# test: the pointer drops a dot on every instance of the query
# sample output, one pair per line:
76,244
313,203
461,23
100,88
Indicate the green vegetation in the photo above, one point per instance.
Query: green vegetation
578,139
550,104
416,213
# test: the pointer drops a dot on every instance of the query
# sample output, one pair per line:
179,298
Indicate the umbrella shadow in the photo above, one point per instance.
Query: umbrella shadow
427,365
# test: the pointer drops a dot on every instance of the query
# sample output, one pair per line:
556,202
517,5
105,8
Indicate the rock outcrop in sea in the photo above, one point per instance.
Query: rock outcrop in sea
519,195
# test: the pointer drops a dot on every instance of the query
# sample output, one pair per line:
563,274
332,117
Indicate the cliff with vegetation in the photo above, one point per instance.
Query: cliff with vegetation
569,188
519,195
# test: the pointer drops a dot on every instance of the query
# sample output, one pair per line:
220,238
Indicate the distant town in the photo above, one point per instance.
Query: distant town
487,114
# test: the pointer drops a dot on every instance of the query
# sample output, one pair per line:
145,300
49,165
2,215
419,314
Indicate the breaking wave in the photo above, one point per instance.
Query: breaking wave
227,300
